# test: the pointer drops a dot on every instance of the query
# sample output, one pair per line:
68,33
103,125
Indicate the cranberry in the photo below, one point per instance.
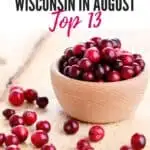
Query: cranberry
13,147
126,147
97,40
74,71
107,68
90,44
88,76
7,113
68,52
71,126
11,139
14,88
83,143
73,60
138,141
48,147
105,43
108,54
21,132
39,138
42,102
116,43
117,64
137,56
66,70
15,120
29,117
79,49
96,133
99,71
2,138
43,125
127,72
127,59
85,64
93,54
30,95
140,62
113,76
16,98
137,68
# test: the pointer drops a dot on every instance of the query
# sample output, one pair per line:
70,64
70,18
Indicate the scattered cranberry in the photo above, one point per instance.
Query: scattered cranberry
42,102
14,88
105,43
13,147
97,40
71,126
43,125
15,120
16,98
117,64
74,71
82,144
73,60
78,50
2,138
127,59
140,62
126,147
21,132
29,117
11,139
127,72
39,138
7,113
88,76
48,147
137,56
93,54
66,70
113,76
100,72
30,95
68,52
96,133
85,64
90,44
138,141
116,43
137,68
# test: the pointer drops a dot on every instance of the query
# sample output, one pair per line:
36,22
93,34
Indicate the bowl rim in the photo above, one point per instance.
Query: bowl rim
54,68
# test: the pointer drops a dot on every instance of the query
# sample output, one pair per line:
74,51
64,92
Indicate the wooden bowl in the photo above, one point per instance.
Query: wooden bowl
98,102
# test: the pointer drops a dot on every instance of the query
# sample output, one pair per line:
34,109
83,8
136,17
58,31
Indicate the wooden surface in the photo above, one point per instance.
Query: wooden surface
37,76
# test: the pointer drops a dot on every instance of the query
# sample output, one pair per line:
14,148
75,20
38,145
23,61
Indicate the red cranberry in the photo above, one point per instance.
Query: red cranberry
85,64
105,43
140,62
113,76
21,132
30,95
66,70
16,88
93,54
74,71
13,147
108,54
117,64
99,71
137,56
29,117
83,143
7,113
11,139
127,59
48,147
90,44
39,138
42,102
79,49
43,125
88,76
68,52
97,40
2,138
107,68
15,120
127,72
137,68
73,60
16,98
138,141
96,133
126,147
71,126
116,43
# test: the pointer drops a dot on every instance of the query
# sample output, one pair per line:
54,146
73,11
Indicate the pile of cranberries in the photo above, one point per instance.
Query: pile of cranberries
100,60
